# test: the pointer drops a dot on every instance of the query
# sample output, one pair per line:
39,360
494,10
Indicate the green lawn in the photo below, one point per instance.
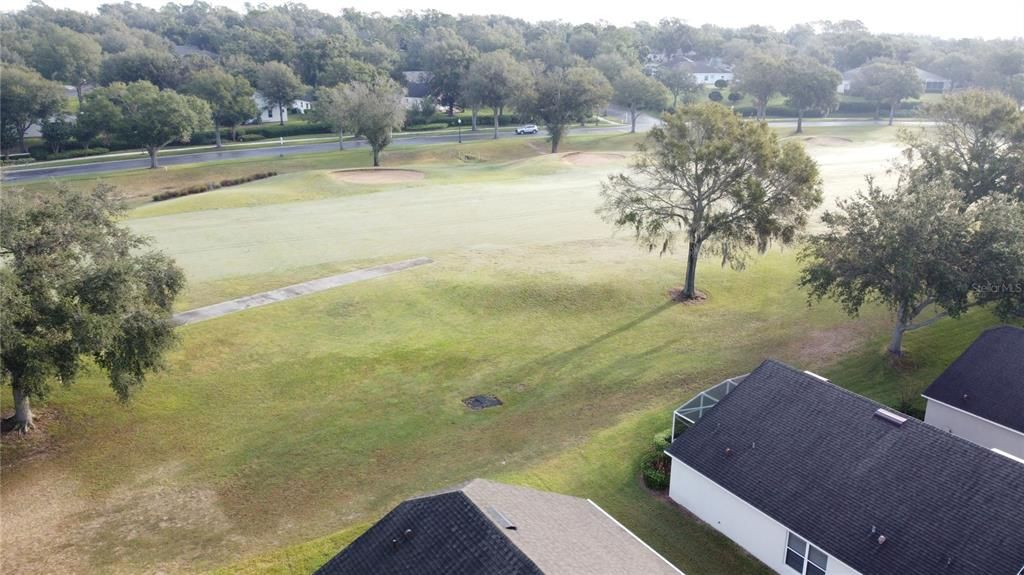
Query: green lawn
293,426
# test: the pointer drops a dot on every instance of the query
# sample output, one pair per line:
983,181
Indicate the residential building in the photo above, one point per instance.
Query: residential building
497,529
930,83
270,112
813,479
417,87
980,396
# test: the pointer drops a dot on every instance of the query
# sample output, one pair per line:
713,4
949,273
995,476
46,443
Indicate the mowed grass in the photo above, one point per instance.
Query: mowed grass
301,422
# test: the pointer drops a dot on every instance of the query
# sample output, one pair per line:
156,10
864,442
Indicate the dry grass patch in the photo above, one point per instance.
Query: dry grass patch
592,158
377,176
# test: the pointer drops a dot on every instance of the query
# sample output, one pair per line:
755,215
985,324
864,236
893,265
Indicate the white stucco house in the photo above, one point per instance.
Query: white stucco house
417,88
930,83
980,396
273,113
813,479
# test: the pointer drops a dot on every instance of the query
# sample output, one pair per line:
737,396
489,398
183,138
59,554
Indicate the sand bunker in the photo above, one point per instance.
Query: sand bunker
591,158
827,141
377,176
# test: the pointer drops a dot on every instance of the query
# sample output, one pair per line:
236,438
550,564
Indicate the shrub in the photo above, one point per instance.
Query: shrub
251,137
654,468
200,188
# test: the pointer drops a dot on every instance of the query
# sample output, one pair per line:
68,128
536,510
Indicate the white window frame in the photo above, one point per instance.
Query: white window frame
805,555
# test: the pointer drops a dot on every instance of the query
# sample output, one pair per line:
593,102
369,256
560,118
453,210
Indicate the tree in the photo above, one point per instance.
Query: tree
564,97
913,251
977,143
57,133
810,85
94,119
637,92
761,75
76,283
447,57
230,98
27,98
721,84
65,55
278,85
150,118
886,83
336,108
377,109
715,96
159,68
679,81
494,80
717,179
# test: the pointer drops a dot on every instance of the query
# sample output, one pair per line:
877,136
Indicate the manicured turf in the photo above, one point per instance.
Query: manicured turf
281,425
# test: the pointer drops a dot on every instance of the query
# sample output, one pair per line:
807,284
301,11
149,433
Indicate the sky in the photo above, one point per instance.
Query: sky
977,19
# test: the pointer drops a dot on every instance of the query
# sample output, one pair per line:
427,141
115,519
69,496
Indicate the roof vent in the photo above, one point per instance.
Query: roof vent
816,376
893,418
500,519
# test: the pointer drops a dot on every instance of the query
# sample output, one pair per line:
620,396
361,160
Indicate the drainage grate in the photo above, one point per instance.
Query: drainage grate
481,401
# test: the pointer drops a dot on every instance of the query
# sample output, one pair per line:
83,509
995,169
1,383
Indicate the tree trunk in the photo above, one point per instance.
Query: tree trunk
555,137
234,132
376,157
23,420
341,139
892,112
152,151
675,99
690,288
280,114
800,121
896,341
78,92
632,118
216,130
497,120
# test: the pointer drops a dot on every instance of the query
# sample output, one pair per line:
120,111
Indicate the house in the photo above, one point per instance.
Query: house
495,528
930,83
813,479
270,112
417,87
980,396
706,73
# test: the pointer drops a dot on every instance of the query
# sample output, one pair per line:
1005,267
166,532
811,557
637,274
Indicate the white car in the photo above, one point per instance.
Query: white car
527,129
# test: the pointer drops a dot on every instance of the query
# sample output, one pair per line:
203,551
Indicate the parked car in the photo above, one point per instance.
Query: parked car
527,129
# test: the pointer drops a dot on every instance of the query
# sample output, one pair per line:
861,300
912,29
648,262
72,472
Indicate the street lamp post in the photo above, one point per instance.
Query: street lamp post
460,130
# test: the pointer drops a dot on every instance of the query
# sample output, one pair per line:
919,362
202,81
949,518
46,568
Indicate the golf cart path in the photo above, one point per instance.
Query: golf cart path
296,290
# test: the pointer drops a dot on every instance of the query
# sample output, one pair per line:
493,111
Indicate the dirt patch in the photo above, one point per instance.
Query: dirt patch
676,295
827,141
821,347
591,158
377,176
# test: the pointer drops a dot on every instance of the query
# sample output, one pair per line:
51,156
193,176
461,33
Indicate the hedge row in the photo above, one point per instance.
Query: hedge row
40,153
845,108
200,188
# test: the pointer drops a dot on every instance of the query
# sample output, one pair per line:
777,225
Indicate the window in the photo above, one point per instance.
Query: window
804,558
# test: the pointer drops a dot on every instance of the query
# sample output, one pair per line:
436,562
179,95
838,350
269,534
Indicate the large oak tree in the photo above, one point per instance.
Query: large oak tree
563,97
78,287
716,180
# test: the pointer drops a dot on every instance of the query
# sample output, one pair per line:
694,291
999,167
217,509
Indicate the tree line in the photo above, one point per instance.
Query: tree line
222,57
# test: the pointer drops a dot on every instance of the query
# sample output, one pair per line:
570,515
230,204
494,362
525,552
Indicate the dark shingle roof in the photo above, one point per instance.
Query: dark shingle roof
467,530
815,458
450,535
987,379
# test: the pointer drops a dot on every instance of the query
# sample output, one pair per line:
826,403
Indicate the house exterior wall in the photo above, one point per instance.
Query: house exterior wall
709,78
748,527
973,428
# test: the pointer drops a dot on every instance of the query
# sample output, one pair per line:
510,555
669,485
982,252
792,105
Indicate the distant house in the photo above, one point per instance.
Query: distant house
417,87
707,73
980,396
930,83
270,112
813,479
484,527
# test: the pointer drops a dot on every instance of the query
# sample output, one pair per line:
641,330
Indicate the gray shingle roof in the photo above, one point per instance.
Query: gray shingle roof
987,380
464,531
815,458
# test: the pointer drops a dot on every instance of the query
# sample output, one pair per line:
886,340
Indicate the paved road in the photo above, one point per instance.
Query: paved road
644,123
33,174
293,291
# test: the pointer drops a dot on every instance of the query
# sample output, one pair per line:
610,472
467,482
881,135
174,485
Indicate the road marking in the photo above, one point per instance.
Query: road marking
293,291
